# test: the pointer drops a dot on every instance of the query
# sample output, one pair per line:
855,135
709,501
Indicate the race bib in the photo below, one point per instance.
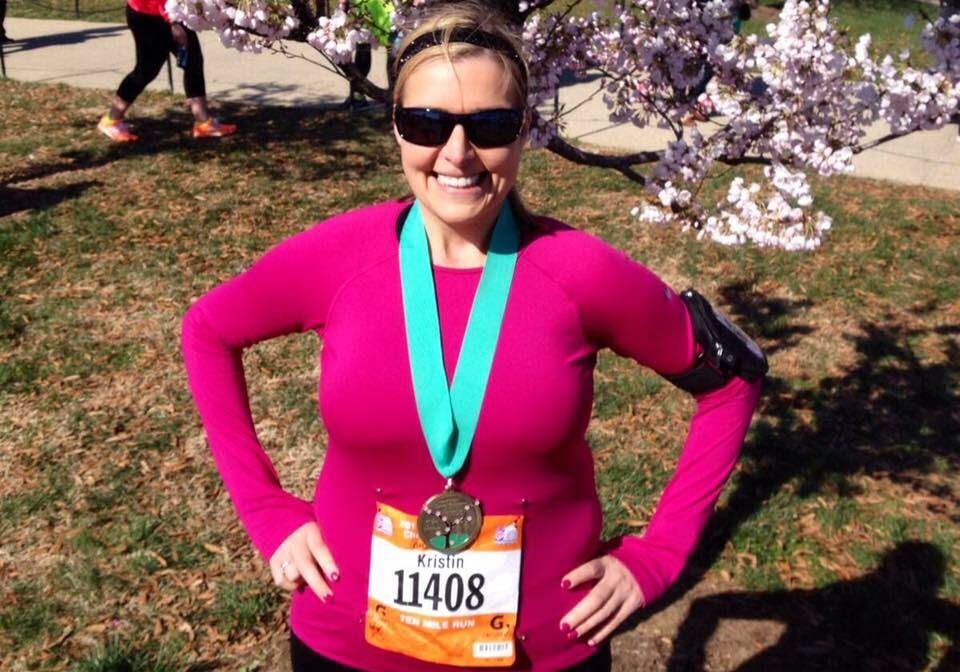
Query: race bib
451,609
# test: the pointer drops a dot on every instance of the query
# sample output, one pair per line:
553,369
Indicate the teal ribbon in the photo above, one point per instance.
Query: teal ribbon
449,415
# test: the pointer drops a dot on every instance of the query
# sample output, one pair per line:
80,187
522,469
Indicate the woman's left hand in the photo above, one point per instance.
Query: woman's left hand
615,596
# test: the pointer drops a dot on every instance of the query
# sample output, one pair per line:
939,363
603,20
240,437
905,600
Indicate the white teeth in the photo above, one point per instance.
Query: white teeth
458,182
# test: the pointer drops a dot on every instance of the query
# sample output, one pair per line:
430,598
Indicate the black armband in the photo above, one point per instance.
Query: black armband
727,351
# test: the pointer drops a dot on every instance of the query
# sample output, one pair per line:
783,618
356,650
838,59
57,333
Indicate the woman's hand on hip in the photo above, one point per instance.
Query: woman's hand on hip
304,558
179,34
612,599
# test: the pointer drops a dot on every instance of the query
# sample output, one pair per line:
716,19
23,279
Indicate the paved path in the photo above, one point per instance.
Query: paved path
98,55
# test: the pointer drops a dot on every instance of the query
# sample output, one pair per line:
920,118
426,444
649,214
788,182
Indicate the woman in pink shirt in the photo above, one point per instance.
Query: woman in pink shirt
455,523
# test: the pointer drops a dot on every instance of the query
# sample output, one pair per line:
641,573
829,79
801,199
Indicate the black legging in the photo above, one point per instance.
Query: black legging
305,659
362,60
154,41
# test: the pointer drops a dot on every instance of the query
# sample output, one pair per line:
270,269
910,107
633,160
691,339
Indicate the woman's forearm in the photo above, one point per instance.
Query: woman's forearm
215,374
709,454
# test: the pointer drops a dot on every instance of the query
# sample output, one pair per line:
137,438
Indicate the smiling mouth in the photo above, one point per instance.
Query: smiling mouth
464,182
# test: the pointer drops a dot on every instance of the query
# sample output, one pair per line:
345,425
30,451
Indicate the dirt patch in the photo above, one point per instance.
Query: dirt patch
648,647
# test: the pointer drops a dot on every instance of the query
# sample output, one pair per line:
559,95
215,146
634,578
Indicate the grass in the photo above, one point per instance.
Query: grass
136,559
112,11
883,19
27,616
118,656
241,607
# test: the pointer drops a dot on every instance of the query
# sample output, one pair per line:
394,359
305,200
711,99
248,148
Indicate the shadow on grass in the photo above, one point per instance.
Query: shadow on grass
13,199
881,621
767,319
890,415
355,139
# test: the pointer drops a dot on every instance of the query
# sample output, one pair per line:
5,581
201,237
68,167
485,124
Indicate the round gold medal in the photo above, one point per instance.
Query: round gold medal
450,522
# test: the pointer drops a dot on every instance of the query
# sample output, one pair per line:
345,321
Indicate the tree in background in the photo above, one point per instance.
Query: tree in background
797,100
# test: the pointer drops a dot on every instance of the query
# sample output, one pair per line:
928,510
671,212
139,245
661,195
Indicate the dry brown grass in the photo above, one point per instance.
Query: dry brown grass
115,527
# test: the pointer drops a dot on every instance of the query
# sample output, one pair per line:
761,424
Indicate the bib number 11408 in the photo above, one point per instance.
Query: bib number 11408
451,593
458,610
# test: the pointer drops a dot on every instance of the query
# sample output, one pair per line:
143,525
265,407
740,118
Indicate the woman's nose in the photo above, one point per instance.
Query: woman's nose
457,148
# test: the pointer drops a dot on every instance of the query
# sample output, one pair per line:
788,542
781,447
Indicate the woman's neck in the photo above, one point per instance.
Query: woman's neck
464,247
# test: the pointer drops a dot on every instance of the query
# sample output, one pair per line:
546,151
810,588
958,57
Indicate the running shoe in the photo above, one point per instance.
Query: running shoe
213,128
116,129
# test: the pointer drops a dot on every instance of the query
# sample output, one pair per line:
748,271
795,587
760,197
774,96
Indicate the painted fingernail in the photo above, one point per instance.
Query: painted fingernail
334,576
565,584
572,634
564,627
591,643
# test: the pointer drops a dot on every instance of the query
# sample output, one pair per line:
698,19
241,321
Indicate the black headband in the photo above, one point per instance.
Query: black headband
474,36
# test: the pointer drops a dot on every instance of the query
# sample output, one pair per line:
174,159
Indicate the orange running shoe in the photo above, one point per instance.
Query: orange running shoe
116,129
213,128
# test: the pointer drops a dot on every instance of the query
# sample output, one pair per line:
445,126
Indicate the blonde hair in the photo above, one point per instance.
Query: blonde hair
443,19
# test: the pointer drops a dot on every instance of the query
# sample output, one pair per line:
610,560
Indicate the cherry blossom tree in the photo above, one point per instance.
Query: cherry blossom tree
797,100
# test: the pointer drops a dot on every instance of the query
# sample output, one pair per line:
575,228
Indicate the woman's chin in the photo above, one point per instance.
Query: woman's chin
457,206
464,216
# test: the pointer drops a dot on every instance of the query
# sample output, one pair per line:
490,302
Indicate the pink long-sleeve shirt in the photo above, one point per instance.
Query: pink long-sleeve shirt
572,295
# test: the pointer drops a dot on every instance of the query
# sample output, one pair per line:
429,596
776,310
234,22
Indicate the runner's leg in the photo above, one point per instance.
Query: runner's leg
151,35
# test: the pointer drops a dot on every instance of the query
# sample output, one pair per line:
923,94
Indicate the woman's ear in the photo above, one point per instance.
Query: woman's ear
527,121
396,133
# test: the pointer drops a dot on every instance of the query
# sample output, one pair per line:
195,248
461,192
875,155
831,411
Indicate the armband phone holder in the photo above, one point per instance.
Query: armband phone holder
726,350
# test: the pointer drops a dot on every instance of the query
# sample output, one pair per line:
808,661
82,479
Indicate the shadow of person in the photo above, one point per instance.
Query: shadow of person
62,39
13,199
337,139
881,621
820,440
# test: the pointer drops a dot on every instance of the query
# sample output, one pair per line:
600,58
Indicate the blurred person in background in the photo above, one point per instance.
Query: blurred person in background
155,37
4,38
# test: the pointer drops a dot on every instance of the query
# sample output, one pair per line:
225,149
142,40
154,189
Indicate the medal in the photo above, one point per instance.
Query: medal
450,521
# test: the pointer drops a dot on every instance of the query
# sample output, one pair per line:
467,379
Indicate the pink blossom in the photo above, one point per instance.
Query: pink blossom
801,97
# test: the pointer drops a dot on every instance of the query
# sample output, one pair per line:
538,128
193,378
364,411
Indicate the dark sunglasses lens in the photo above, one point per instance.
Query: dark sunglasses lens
493,128
486,128
423,127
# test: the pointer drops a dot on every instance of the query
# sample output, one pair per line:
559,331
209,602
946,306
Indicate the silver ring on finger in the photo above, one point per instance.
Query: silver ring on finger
283,566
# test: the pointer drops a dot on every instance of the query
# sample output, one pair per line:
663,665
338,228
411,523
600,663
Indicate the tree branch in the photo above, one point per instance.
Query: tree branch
879,141
622,163
364,85
744,161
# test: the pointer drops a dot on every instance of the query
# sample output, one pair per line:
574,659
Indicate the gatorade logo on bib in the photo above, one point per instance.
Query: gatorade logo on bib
450,609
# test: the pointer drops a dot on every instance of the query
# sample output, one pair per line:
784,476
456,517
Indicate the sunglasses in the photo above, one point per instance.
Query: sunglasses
432,128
